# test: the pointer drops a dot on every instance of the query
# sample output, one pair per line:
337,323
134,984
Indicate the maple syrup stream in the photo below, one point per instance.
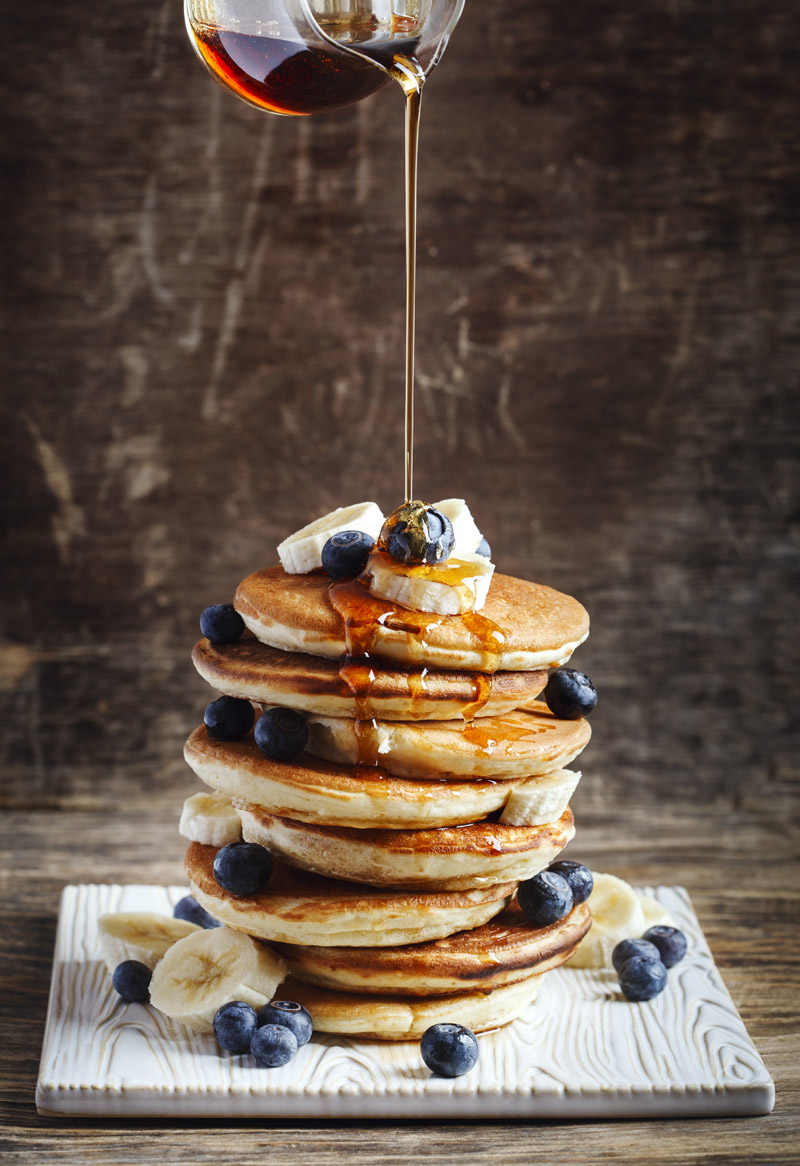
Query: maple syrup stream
349,599
409,74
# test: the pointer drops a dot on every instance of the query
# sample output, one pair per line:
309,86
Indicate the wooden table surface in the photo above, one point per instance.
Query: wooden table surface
743,879
202,351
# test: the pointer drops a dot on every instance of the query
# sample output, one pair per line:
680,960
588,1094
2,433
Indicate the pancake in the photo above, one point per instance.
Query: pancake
506,949
449,859
518,744
359,688
522,626
404,1018
298,907
311,790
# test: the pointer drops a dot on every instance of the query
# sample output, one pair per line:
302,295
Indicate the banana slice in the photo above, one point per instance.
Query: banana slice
654,914
139,935
202,972
465,529
541,799
301,552
453,587
210,819
616,914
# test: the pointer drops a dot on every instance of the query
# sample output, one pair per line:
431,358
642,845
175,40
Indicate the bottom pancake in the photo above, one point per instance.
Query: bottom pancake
303,908
447,859
404,1018
503,951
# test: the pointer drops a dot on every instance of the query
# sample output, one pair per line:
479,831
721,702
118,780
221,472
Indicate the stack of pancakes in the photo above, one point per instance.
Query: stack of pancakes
392,898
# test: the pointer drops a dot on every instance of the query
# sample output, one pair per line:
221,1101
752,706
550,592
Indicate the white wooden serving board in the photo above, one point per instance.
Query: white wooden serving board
580,1051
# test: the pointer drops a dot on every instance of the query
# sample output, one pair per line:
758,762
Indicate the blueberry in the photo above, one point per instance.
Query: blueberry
281,733
189,909
626,949
449,1050
289,1014
131,980
228,718
484,549
345,553
417,533
545,898
641,978
570,694
670,942
578,876
222,624
272,1045
234,1024
243,868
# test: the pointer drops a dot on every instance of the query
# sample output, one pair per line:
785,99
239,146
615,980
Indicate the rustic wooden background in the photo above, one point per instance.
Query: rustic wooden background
203,316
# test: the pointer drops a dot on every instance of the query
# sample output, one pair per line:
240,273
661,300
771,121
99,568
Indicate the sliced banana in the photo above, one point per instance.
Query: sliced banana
465,529
210,819
139,935
616,914
541,799
654,914
301,552
452,587
202,972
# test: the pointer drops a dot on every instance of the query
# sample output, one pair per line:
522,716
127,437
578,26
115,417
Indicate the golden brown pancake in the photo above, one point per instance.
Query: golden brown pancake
311,790
359,688
299,907
454,858
506,949
517,744
371,1017
522,626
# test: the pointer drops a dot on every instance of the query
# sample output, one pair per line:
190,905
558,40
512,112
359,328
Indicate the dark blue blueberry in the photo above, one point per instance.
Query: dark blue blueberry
189,909
641,978
570,694
545,898
234,1025
670,942
626,949
449,1050
345,553
131,980
243,868
221,624
291,1015
228,718
417,533
281,733
484,549
578,876
273,1045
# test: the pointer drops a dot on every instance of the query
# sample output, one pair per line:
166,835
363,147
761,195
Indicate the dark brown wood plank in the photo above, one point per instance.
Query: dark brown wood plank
202,350
607,354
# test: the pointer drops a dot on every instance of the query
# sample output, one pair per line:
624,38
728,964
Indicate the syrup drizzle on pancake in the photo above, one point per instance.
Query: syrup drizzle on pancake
356,607
504,731
359,676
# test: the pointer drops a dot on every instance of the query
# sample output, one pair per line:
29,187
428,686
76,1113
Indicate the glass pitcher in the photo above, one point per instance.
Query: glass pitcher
307,56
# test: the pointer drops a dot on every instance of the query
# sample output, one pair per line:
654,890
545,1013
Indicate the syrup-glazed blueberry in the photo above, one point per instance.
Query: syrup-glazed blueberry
418,533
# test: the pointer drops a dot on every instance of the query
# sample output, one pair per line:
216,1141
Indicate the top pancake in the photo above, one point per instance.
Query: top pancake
360,689
523,626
